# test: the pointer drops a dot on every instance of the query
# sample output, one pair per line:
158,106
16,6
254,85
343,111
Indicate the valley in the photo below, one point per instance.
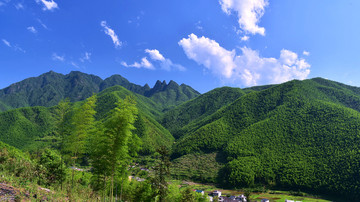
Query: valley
295,136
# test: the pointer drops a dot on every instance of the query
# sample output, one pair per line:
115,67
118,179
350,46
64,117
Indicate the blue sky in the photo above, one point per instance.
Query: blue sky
205,44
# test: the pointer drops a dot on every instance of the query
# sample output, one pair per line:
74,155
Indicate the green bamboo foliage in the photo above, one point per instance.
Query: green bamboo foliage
114,143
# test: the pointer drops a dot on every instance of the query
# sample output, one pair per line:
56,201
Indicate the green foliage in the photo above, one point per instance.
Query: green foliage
40,127
188,195
83,123
14,162
170,95
113,144
54,167
24,128
242,171
50,88
147,128
199,167
199,108
300,135
297,135
162,170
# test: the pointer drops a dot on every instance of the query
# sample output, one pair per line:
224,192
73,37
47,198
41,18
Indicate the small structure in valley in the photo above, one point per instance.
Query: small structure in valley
199,191
216,193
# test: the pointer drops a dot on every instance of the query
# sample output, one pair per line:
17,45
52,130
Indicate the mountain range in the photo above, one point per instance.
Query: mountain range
49,88
296,135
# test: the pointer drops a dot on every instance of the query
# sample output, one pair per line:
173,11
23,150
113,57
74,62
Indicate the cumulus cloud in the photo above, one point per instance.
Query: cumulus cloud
143,64
112,34
48,5
306,53
209,53
86,57
32,29
155,54
245,69
249,13
56,57
165,63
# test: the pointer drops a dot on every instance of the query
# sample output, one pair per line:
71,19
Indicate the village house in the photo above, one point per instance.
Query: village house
216,193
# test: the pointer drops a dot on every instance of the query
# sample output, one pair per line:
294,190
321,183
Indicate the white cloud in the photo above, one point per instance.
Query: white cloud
306,53
165,63
112,34
42,24
198,26
245,69
6,42
4,2
209,53
56,57
18,48
74,65
19,6
48,5
155,54
86,57
143,64
249,13
245,38
32,29
15,47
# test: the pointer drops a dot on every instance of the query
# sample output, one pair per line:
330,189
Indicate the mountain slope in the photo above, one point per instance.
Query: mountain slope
32,127
49,88
172,94
199,108
299,135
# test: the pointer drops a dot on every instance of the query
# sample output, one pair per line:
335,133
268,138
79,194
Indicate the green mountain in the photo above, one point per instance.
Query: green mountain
199,108
49,88
33,127
297,135
172,94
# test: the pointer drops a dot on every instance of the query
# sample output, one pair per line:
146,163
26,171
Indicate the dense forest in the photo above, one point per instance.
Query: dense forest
299,135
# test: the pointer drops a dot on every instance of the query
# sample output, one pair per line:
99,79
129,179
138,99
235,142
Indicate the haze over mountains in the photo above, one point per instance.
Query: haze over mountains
296,135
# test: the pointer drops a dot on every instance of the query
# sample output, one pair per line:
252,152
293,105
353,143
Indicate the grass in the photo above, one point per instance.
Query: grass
272,195
283,196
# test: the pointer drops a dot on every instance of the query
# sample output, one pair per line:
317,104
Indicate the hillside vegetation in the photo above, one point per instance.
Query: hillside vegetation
34,127
50,88
298,135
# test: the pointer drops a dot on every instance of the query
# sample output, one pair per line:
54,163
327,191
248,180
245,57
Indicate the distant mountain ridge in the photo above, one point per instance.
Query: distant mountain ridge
51,87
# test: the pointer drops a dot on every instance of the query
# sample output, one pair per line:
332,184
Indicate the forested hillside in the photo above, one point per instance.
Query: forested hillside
34,127
298,135
197,109
49,88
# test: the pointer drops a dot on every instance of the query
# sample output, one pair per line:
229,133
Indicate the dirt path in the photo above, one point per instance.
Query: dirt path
7,192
